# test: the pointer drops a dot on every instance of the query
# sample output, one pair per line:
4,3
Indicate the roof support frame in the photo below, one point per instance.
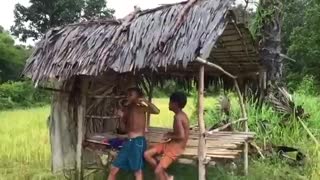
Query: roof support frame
241,102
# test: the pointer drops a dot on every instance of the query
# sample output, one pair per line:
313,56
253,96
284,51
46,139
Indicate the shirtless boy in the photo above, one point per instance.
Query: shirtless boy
130,157
171,150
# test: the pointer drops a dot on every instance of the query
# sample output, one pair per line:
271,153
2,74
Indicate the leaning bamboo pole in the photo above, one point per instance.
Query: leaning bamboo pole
241,102
246,128
202,143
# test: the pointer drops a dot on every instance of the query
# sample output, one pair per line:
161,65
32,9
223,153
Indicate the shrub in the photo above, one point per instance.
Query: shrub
21,94
307,86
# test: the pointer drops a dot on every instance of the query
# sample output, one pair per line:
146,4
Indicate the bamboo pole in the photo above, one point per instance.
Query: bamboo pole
202,143
244,115
81,129
309,132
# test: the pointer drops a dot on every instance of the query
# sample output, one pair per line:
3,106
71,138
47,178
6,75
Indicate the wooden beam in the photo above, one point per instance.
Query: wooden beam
202,143
102,117
106,97
81,128
53,89
200,60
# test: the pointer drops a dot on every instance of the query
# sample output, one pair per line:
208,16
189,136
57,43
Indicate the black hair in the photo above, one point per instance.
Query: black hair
180,98
137,90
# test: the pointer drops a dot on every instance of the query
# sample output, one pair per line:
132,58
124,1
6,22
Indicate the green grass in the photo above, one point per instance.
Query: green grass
25,149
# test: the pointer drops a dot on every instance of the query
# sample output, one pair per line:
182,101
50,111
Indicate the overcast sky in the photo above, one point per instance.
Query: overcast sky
122,8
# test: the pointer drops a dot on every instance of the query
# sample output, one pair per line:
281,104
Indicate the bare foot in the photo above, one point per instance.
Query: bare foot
146,130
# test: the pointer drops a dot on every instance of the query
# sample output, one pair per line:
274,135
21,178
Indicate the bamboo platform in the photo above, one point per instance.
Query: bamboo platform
226,145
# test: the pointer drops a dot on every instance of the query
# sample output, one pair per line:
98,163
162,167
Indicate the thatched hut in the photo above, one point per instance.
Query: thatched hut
89,65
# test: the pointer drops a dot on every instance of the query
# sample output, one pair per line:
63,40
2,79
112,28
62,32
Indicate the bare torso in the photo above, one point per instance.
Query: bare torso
176,129
136,121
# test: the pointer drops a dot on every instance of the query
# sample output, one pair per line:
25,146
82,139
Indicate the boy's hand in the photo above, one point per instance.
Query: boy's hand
120,113
166,137
143,102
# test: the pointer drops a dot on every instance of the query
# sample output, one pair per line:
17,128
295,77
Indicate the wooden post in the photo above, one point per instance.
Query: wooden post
202,143
81,128
150,95
244,115
262,86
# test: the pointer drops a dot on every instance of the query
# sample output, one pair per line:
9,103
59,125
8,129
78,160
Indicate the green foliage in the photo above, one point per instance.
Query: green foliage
21,94
293,13
169,87
305,46
257,22
12,58
41,15
307,86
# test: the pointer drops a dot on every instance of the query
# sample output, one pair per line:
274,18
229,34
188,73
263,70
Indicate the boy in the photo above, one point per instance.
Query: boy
130,157
176,140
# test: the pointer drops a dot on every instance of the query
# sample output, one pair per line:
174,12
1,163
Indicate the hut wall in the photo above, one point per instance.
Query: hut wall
62,130
105,93
103,97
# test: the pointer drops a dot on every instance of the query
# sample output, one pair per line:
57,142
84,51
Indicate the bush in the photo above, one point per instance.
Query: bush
307,86
21,94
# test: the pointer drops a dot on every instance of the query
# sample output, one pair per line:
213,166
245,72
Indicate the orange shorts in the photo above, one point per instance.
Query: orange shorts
169,151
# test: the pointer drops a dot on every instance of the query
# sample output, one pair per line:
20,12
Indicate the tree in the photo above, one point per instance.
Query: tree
97,9
305,44
266,27
41,15
293,13
12,58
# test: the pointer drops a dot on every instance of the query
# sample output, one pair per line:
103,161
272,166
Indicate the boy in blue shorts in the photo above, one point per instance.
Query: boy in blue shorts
134,115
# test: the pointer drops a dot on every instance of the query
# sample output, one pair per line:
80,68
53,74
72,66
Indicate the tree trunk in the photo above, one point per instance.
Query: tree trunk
270,39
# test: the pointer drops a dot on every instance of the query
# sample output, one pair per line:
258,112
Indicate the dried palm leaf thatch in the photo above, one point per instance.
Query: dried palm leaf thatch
164,39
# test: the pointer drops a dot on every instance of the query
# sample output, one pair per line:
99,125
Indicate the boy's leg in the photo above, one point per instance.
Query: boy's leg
113,173
138,175
149,157
121,161
160,173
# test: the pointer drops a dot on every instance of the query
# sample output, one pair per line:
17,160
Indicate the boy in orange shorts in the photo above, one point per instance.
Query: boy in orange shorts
176,141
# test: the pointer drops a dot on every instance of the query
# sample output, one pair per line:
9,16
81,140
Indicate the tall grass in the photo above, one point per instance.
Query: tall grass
25,150
24,144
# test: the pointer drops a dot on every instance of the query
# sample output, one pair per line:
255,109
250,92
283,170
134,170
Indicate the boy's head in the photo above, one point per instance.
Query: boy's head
134,94
178,101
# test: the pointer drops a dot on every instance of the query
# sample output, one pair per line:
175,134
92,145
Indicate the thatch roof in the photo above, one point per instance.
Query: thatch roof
151,39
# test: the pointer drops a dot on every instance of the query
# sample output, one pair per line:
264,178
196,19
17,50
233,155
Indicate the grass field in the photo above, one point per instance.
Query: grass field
25,149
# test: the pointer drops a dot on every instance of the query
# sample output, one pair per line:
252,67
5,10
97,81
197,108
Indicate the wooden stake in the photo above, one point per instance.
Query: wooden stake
202,143
81,129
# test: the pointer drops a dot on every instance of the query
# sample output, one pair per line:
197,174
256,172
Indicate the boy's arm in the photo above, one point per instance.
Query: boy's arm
151,108
123,120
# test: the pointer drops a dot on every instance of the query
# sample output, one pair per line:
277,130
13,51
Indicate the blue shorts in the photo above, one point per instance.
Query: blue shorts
130,157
